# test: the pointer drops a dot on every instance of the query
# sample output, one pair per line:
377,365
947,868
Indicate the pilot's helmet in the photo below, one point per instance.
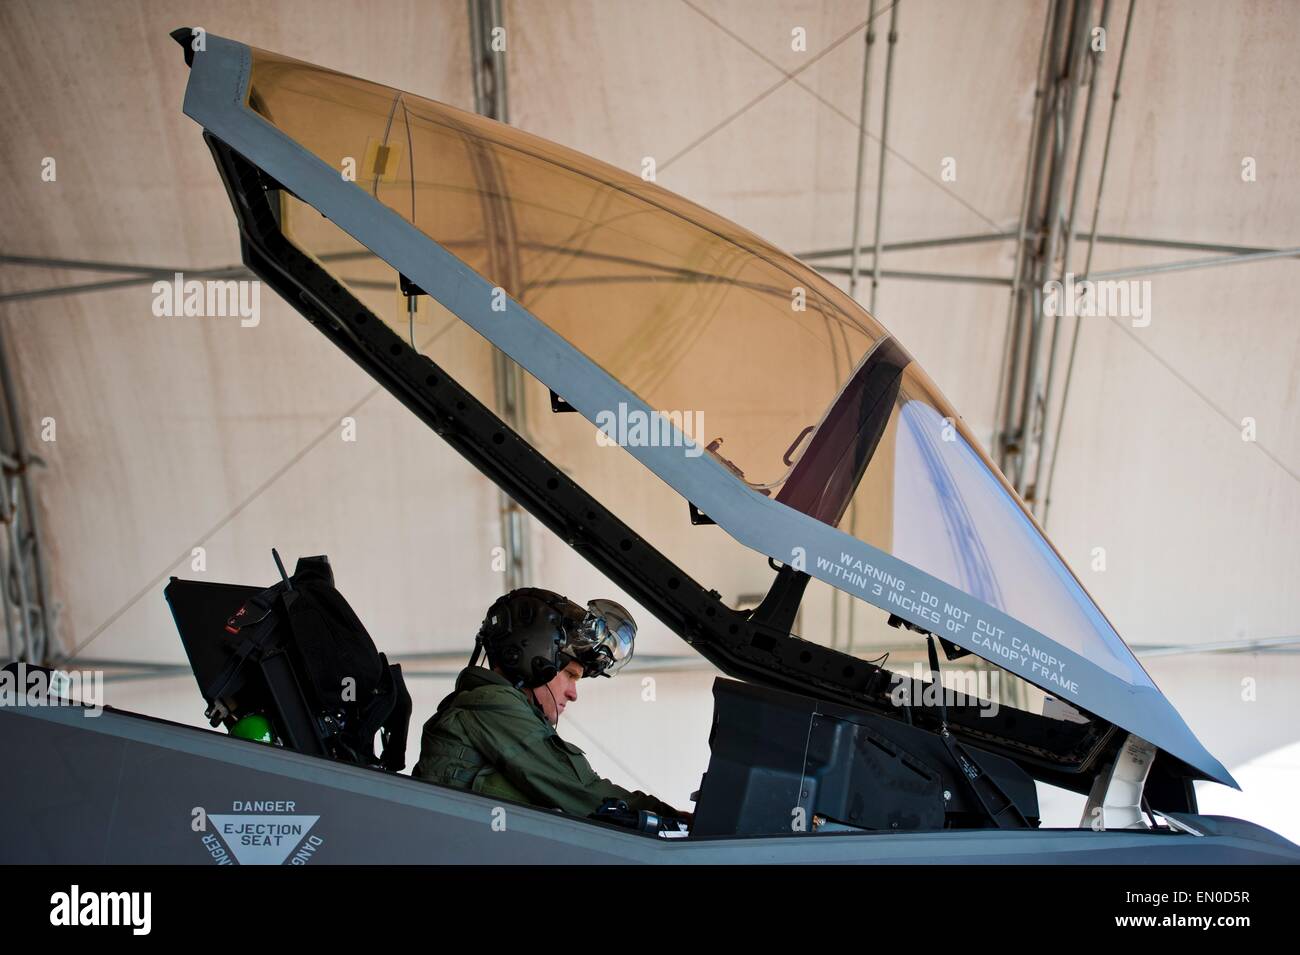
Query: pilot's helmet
529,634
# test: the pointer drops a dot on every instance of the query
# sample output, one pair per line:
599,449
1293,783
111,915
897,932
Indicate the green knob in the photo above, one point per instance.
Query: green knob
255,726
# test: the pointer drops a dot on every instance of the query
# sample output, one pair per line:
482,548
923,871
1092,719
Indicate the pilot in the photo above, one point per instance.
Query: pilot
495,733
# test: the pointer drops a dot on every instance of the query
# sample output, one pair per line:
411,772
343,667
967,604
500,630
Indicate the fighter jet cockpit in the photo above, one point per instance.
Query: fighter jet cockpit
799,443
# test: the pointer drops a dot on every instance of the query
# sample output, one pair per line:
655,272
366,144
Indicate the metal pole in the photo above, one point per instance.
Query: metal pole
31,644
1087,263
502,104
1063,139
1042,438
475,55
25,523
995,443
884,140
1044,96
862,152
1081,162
14,653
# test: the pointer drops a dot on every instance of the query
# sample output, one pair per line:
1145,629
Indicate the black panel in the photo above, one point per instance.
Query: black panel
201,610
779,760
268,685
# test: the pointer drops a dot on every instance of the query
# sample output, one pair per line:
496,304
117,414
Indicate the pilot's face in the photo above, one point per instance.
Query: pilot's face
559,693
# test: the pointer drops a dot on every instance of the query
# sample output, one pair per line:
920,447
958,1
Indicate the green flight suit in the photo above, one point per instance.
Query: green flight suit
487,737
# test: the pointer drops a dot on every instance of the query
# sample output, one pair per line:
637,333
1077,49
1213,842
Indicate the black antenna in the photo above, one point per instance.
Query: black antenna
279,564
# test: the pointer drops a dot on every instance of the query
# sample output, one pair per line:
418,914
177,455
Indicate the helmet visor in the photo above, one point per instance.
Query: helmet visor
603,641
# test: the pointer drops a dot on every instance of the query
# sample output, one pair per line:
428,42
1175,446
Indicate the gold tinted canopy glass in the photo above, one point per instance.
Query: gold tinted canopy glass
792,386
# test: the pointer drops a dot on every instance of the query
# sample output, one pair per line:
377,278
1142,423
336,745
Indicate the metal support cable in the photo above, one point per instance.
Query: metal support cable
912,245
1111,239
999,280
147,278
94,265
1188,265
139,274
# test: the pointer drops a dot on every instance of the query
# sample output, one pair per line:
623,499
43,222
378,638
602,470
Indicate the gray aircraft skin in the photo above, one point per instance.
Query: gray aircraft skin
112,786
123,788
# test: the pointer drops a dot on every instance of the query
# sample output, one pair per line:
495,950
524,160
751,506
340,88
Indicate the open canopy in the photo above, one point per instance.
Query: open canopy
778,406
